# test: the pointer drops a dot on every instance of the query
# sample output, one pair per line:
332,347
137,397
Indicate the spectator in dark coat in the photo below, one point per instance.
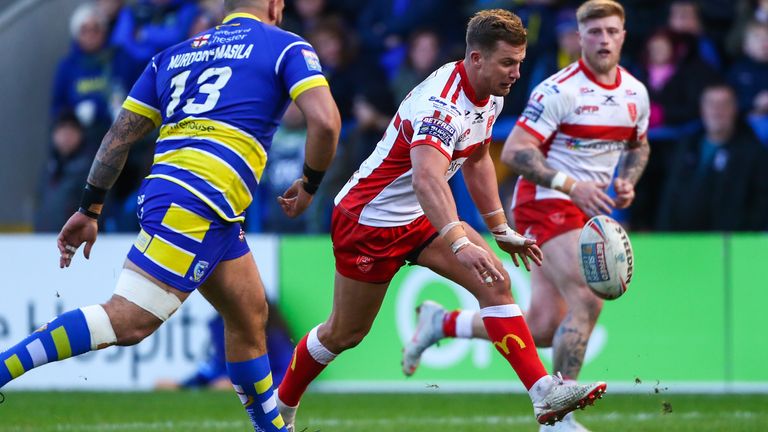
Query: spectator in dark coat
718,180
63,176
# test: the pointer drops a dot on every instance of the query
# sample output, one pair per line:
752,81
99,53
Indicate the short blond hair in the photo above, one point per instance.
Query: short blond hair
594,9
487,27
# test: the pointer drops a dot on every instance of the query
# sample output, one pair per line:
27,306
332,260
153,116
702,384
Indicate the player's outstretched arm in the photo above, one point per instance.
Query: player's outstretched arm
480,178
82,226
323,127
434,195
521,152
632,165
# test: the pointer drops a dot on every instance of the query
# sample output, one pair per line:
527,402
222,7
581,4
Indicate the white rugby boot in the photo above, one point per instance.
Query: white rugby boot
562,399
288,413
567,424
429,330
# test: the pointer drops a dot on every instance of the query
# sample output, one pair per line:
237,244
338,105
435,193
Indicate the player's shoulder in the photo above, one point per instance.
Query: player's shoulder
631,81
428,95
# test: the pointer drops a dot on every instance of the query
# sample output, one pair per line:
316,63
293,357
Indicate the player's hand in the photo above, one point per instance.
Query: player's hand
295,199
514,244
590,197
479,262
625,192
79,229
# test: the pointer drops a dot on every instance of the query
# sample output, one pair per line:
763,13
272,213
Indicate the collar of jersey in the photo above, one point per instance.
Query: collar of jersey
588,73
230,17
467,87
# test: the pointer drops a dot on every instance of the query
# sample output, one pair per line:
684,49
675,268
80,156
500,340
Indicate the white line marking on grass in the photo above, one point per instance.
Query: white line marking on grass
399,421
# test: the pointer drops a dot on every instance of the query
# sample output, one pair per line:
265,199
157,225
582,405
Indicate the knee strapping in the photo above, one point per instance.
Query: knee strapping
147,295
99,326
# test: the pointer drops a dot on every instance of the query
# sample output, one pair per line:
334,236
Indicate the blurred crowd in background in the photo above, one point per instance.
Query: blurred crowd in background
705,64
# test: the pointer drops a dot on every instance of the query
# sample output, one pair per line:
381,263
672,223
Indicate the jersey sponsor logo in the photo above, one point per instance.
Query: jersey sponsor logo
311,59
441,105
364,263
632,108
587,109
549,88
200,40
465,135
630,92
437,128
533,110
232,52
586,90
228,39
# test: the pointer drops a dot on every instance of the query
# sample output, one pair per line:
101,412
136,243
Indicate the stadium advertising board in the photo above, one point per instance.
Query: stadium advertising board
34,290
687,323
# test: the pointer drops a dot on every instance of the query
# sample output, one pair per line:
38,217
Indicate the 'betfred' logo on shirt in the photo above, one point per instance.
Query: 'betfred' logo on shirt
437,128
310,58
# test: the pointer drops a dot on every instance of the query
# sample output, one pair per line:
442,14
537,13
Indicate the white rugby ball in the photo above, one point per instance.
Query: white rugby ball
606,257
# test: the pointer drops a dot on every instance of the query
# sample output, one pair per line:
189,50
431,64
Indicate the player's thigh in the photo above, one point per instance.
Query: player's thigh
562,268
439,258
355,306
547,309
236,290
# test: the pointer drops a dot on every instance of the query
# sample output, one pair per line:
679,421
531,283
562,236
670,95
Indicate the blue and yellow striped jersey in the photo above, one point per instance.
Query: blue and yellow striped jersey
218,98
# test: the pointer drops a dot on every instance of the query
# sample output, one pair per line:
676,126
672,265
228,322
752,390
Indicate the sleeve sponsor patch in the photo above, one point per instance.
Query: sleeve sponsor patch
310,58
437,128
533,110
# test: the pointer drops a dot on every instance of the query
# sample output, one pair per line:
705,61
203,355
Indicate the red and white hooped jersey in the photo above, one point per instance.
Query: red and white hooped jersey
583,125
442,112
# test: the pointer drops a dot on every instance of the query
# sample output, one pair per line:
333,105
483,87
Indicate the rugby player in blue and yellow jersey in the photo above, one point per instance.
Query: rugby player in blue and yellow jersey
217,99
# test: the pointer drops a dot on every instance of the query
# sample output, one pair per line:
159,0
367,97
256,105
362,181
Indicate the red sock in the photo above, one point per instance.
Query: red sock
510,335
302,370
449,323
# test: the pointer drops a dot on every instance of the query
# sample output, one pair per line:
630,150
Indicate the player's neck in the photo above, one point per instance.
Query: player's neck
480,93
261,13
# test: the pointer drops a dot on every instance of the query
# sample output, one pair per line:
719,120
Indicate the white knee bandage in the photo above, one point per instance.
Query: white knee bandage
145,294
100,327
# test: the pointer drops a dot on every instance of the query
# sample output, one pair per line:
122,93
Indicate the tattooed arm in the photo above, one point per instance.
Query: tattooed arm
522,154
630,169
128,128
82,227
634,160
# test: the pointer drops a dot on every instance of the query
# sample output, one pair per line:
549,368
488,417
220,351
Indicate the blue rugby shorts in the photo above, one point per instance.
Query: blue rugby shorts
182,240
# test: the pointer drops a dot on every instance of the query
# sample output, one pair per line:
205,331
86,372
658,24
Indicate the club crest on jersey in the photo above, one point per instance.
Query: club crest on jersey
632,111
199,271
200,40
311,59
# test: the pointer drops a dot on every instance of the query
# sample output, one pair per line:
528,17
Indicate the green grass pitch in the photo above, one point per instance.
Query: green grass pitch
434,411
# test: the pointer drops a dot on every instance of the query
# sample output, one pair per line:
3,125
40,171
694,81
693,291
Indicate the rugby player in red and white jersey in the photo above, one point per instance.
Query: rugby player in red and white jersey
396,205
566,146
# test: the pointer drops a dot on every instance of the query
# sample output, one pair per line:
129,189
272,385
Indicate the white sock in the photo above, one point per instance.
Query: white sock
541,388
320,353
464,324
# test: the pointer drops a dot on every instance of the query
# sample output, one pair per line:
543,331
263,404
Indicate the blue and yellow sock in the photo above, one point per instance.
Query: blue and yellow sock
252,380
64,337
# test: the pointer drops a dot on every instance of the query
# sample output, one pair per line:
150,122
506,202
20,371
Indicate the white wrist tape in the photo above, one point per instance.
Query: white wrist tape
503,233
558,181
444,230
459,244
145,294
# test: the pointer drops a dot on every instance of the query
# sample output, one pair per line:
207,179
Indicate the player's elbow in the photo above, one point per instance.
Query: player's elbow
508,156
326,123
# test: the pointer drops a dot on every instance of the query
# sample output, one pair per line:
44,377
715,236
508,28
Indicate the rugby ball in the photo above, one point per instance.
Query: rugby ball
606,257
